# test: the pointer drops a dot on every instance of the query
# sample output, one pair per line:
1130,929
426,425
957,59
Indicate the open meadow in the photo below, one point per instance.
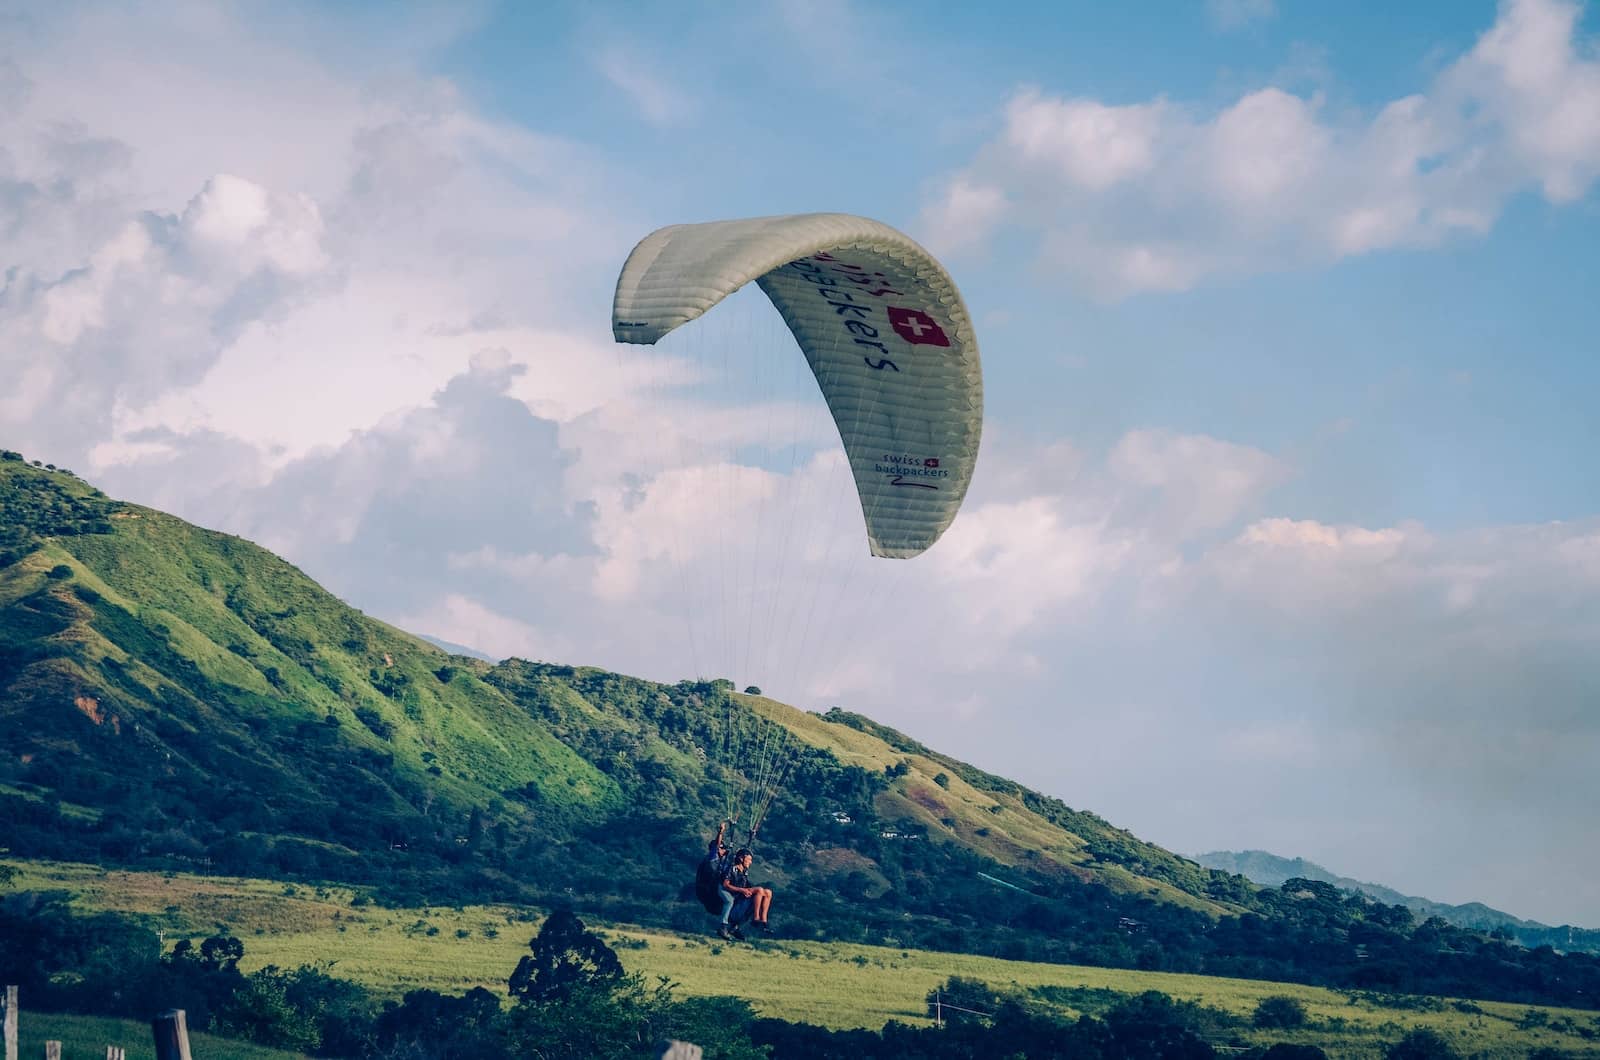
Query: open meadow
88,1036
839,985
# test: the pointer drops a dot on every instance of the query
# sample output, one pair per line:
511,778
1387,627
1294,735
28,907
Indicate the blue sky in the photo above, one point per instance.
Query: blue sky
1285,530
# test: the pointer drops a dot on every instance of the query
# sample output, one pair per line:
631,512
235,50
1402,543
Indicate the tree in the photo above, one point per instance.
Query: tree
428,1023
752,690
565,956
942,779
960,1000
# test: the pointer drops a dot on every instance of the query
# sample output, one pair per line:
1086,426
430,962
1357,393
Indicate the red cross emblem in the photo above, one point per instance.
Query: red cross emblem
932,461
916,327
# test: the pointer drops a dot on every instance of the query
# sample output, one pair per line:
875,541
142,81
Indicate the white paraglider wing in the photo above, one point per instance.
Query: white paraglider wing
883,327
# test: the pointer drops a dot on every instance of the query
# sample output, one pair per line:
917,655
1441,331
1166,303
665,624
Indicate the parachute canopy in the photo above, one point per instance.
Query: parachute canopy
882,326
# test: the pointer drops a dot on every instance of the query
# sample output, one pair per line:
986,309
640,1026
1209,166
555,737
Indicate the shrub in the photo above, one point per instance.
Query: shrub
1279,1011
1421,1044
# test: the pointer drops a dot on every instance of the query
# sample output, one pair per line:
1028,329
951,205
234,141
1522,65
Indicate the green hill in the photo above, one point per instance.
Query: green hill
174,697
171,692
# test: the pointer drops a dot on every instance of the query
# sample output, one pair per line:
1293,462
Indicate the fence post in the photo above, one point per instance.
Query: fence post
671,1050
52,1051
171,1031
11,1023
116,1052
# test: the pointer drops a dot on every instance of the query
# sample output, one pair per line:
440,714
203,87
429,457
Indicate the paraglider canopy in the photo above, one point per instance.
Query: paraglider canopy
882,326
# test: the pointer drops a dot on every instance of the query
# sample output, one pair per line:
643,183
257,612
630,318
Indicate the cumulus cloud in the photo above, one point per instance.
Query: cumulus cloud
1160,196
151,290
474,470
91,337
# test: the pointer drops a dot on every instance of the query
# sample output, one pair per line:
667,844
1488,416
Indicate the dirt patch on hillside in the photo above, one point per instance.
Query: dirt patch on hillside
90,708
927,800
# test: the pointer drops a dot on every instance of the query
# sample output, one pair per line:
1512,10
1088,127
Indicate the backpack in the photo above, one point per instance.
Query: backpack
708,882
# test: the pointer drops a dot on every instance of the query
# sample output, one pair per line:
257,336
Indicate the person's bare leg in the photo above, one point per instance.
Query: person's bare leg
763,903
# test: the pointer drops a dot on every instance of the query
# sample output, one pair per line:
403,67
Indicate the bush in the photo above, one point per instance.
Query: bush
374,722
1421,1044
1278,1012
260,1011
1294,1051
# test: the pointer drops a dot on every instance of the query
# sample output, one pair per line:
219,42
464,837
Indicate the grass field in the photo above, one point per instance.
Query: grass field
83,1037
832,984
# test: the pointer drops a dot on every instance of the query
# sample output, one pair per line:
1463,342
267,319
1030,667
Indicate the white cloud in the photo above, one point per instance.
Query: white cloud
1538,87
965,213
1202,483
1235,14
458,619
1159,196
1091,145
659,102
178,269
149,308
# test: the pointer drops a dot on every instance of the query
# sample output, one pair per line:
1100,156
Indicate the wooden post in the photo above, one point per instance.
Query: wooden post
938,1009
52,1051
671,1050
11,1023
171,1031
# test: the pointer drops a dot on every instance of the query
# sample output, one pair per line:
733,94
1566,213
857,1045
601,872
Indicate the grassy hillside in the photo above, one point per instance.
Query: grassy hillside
171,697
147,662
839,985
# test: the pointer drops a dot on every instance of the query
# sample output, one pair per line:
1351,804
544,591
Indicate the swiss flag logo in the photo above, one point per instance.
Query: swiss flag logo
932,461
916,327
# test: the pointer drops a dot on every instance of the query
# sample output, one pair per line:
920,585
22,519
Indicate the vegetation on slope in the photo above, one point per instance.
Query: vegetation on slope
172,695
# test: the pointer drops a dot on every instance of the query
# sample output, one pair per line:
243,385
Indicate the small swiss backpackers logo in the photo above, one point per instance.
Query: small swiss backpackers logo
916,327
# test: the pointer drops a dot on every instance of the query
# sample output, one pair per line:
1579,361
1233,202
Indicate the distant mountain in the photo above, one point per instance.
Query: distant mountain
1270,870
